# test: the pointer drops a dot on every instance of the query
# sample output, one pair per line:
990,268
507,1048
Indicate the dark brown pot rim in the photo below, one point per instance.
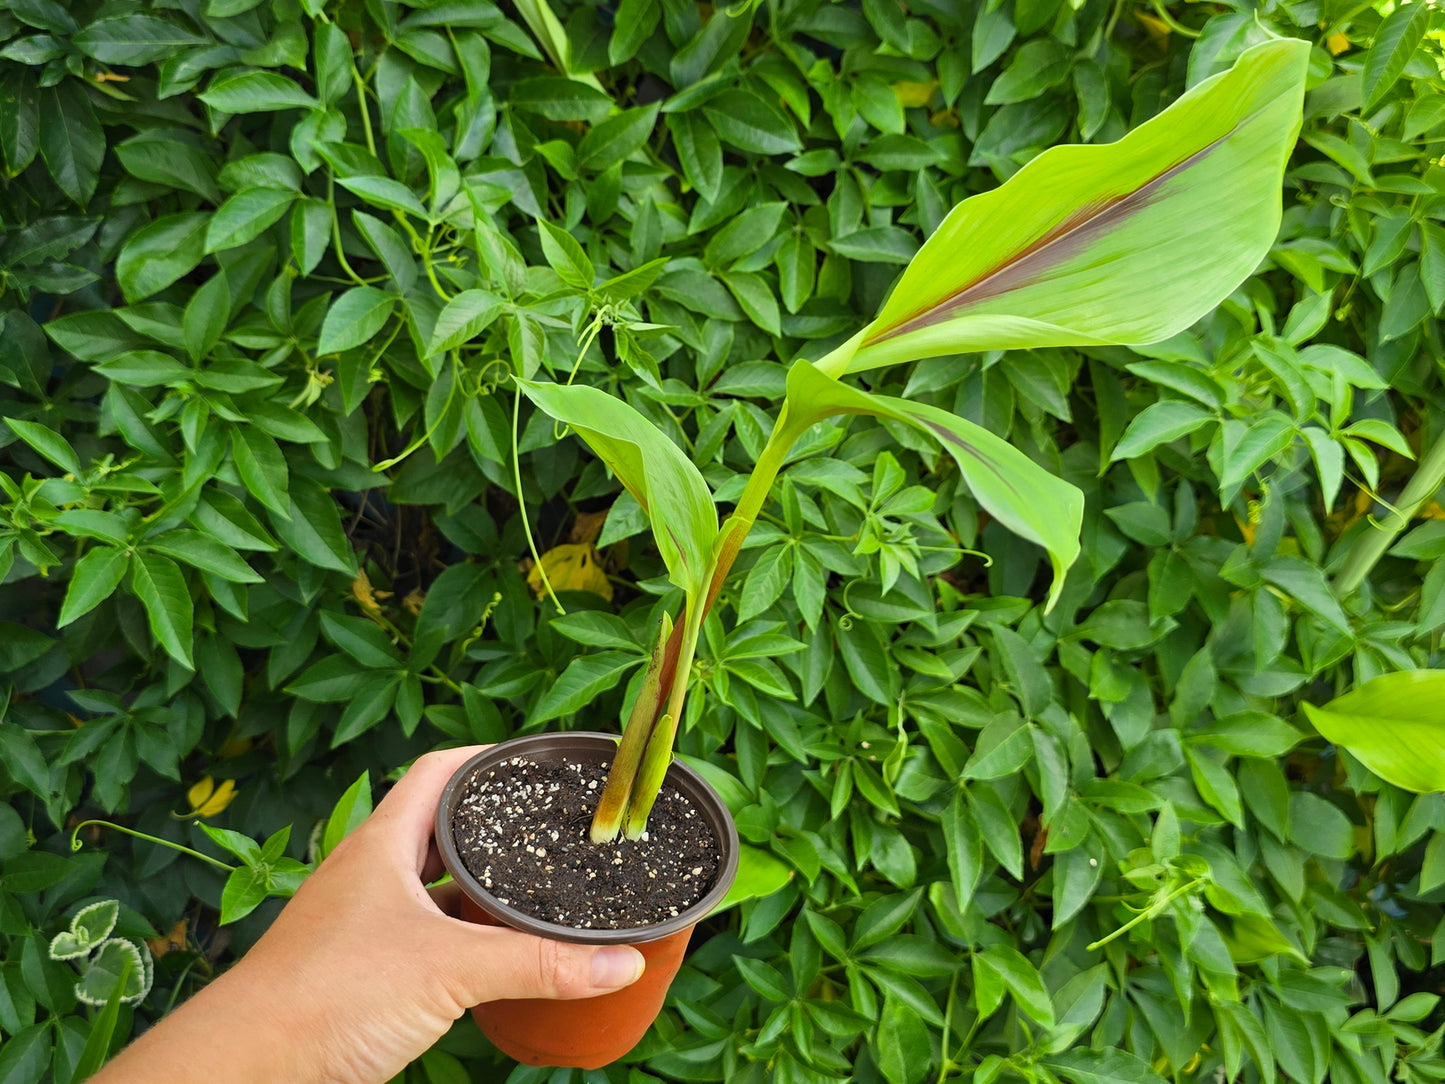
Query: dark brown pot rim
587,747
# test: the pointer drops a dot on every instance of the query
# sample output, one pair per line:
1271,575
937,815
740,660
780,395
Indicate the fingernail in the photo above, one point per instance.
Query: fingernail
616,965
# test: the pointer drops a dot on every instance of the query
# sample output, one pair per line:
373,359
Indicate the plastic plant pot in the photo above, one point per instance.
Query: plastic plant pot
593,1032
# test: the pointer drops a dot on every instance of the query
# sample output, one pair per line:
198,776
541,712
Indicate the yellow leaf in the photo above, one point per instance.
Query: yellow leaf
587,526
207,799
171,941
915,95
367,596
571,567
412,603
1432,511
1337,44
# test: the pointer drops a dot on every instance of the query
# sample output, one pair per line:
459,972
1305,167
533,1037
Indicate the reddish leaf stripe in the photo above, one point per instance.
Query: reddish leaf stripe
1058,245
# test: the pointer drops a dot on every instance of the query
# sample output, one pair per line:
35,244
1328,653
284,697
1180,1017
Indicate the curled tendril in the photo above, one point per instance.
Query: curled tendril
76,844
476,633
489,387
845,623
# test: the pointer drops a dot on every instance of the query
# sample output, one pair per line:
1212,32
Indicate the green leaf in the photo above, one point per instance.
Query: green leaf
160,253
759,874
1006,483
904,1049
1022,980
361,639
244,891
566,256
751,123
133,40
744,235
159,585
699,153
616,138
465,317
1130,242
1109,1066
98,1041
384,192
367,708
560,99
586,677
48,443
1393,725
354,318
71,142
96,576
313,529
206,316
353,807
19,118
1394,43
245,216
262,467
1159,423
256,92
756,299
203,552
660,478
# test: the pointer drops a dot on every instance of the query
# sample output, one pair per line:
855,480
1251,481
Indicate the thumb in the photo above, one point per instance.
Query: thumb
498,963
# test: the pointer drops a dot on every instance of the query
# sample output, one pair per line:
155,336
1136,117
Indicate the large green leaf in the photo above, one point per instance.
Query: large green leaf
1125,243
1394,725
650,467
1010,486
159,585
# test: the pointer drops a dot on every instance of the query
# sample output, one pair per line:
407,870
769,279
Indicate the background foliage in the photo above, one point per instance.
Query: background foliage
265,271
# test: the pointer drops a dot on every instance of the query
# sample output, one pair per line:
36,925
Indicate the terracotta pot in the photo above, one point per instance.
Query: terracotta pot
594,1032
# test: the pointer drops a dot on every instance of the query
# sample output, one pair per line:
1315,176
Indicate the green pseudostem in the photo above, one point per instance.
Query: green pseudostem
1370,546
646,748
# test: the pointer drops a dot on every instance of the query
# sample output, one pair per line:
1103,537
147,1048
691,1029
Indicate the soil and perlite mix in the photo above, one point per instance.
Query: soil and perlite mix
521,827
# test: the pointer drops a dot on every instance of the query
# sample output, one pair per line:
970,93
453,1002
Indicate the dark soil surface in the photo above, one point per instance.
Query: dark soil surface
522,830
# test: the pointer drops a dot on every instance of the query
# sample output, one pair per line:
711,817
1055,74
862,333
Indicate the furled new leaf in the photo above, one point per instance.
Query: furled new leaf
1394,725
1125,243
1010,486
650,467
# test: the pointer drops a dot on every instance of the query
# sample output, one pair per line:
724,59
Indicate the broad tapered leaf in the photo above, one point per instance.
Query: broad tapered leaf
1010,486
1395,43
650,467
1127,243
158,583
1394,725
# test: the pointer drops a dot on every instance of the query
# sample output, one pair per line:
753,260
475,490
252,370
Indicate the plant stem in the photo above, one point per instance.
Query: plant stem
1369,547
1153,911
76,844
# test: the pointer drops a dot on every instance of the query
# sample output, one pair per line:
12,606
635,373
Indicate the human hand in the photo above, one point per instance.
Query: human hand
364,969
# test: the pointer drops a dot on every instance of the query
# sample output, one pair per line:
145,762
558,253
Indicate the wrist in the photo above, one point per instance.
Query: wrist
251,1032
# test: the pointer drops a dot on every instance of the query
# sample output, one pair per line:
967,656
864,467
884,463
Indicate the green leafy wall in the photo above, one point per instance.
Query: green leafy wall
266,270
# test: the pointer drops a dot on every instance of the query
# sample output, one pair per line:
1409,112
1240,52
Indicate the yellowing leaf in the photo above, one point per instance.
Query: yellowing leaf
1158,28
172,940
207,799
571,567
366,595
1337,44
915,95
